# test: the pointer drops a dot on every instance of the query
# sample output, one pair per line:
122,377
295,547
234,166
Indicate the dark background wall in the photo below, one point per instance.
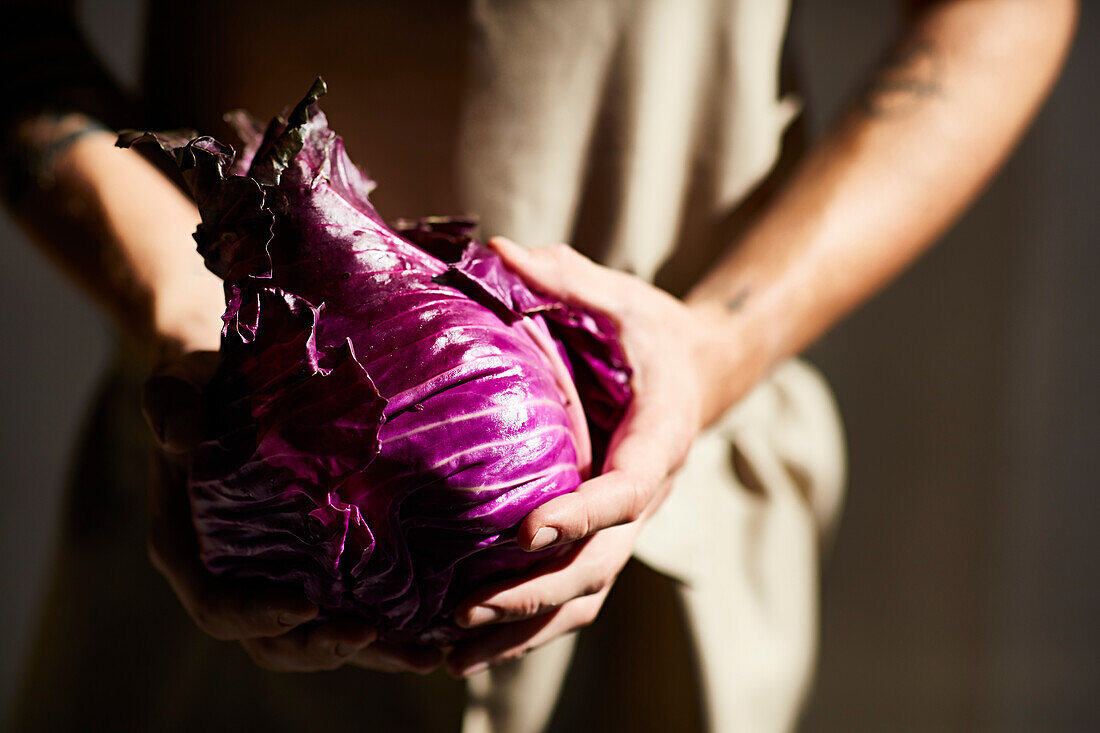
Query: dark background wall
961,593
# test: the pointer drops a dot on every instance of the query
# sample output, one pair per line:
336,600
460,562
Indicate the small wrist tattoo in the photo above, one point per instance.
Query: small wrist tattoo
735,303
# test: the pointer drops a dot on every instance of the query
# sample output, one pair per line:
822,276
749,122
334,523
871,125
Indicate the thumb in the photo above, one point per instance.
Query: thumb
172,400
560,271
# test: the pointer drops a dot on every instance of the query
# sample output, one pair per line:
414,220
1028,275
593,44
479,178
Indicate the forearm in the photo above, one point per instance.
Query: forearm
122,231
112,221
931,129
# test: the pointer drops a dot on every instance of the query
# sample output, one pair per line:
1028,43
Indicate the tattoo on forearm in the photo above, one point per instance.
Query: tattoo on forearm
738,300
911,74
27,158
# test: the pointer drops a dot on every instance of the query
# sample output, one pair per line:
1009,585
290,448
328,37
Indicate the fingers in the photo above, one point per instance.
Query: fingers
511,641
608,500
561,271
323,647
389,657
588,570
229,611
269,624
636,476
172,400
226,611
549,586
336,643
649,445
223,610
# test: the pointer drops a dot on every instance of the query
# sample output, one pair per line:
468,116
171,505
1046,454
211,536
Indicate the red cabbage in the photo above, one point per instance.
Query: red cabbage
392,400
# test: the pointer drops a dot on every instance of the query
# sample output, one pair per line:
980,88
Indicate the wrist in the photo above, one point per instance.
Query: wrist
168,302
186,316
731,352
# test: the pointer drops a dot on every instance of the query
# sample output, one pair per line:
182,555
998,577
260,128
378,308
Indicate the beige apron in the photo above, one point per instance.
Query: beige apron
628,128
644,99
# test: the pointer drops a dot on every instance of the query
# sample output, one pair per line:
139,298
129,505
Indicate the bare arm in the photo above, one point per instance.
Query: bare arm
935,123
915,149
123,230
108,217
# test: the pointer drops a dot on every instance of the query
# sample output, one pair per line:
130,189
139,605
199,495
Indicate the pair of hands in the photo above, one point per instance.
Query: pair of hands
667,344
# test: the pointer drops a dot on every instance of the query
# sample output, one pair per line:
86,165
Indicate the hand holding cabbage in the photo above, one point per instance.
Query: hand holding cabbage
388,407
603,517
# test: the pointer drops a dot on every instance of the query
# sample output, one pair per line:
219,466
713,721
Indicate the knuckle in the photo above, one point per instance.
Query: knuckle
271,665
261,657
586,525
213,626
210,615
527,607
210,621
559,250
679,457
637,500
594,586
273,660
322,654
254,616
585,618
548,255
559,256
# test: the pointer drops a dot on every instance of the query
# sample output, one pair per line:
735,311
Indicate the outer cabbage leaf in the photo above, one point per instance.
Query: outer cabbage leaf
392,401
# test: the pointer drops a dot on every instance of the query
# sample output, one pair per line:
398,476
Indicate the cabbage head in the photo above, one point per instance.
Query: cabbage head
392,401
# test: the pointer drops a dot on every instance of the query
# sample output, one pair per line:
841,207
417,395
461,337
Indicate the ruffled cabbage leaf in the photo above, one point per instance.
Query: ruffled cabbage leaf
392,400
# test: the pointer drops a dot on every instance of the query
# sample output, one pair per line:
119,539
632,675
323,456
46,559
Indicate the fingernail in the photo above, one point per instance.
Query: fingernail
476,669
483,615
544,538
291,619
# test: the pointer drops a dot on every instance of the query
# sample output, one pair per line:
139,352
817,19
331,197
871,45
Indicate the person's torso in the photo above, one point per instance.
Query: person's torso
628,128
